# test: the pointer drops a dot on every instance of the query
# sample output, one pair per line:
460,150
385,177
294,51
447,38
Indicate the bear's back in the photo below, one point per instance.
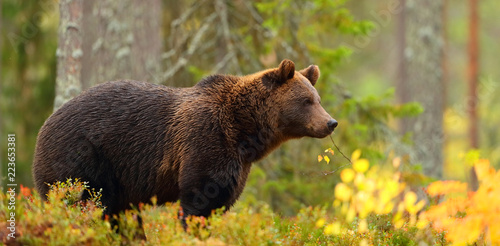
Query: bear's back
113,135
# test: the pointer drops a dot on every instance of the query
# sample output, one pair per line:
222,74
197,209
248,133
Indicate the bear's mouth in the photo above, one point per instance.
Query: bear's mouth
322,133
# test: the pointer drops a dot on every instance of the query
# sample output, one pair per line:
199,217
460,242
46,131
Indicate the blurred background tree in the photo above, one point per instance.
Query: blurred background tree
421,81
69,51
176,43
95,36
29,41
473,81
125,36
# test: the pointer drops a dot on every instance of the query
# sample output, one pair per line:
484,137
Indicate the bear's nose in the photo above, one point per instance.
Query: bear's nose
332,124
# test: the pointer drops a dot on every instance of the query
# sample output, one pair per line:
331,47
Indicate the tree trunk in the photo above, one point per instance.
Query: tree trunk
69,51
445,62
445,65
423,64
107,40
402,91
122,41
473,73
473,77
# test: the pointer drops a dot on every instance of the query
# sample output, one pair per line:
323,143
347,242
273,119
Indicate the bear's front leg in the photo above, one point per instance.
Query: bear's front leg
202,194
210,182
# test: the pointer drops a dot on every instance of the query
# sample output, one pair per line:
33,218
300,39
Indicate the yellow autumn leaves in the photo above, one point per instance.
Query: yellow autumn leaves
343,191
467,217
464,216
325,157
360,165
347,175
364,191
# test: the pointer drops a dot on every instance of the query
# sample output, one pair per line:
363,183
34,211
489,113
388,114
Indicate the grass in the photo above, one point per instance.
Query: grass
64,220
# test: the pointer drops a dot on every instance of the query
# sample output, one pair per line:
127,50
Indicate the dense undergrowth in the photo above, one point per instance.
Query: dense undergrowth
371,206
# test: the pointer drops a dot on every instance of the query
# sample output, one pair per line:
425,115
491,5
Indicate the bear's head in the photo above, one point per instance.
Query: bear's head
300,111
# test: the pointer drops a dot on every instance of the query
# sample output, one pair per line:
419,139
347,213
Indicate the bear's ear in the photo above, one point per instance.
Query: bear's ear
285,71
311,73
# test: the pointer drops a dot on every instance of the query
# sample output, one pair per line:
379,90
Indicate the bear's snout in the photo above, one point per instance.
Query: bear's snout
332,124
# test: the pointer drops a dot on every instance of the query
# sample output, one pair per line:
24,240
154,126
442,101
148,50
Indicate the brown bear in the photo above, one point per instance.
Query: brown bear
137,140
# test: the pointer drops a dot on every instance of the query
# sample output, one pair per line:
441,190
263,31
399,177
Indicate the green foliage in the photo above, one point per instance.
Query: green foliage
28,71
309,27
305,31
290,179
385,211
64,220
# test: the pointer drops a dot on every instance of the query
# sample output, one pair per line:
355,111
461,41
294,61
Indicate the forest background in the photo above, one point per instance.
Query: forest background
376,59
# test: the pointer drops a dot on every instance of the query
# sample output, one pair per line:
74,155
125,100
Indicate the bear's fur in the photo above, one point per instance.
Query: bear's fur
137,140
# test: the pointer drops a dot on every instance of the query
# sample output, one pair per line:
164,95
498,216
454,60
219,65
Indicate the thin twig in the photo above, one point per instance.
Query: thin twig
223,62
341,167
221,10
340,151
195,43
347,158
334,171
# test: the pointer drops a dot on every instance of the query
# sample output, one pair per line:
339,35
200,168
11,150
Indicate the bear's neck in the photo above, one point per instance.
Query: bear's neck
255,120
246,113
255,144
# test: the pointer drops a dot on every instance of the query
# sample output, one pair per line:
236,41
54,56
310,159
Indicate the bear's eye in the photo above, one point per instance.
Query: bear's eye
308,101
